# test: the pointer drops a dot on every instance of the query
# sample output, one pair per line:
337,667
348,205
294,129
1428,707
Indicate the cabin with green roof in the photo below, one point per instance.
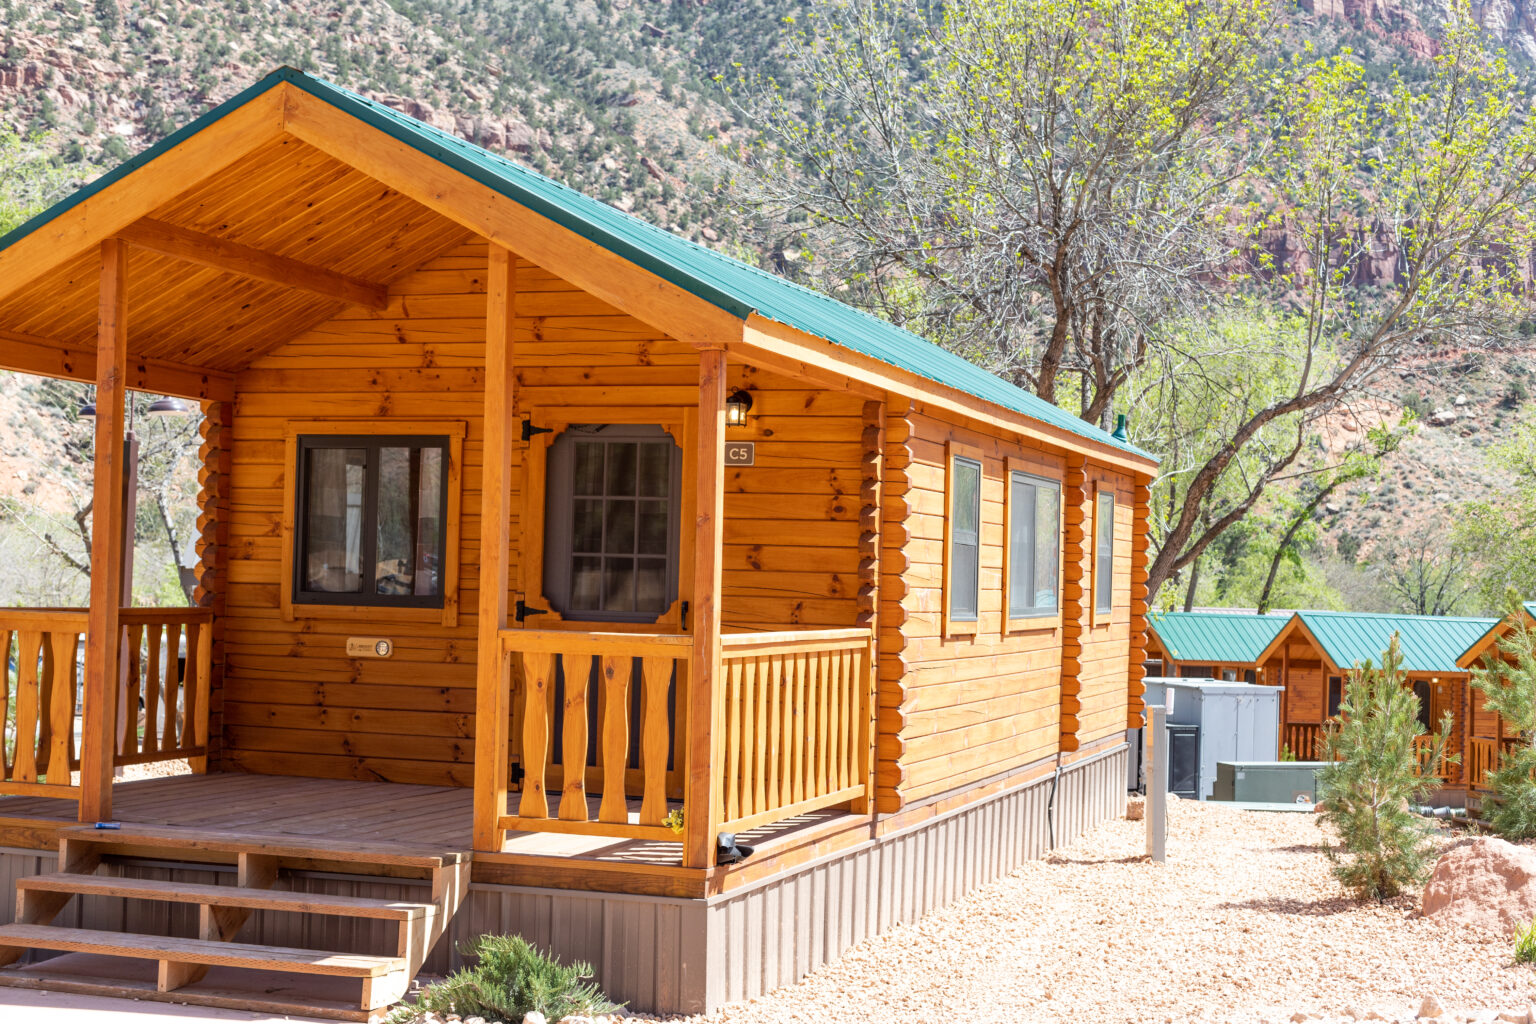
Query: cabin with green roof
557,575
1490,735
1211,645
1316,650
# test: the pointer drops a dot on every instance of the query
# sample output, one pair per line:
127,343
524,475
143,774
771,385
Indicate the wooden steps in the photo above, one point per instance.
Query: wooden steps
263,862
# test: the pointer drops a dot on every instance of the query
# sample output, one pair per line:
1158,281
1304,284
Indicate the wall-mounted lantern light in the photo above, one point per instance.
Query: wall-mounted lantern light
736,408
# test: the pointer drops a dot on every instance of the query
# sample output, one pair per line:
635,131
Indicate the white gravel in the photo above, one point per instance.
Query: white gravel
1243,923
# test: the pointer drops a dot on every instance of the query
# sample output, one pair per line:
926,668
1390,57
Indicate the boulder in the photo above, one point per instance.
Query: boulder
1485,883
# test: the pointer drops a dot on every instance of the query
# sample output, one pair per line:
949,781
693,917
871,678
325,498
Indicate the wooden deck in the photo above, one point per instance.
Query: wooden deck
372,812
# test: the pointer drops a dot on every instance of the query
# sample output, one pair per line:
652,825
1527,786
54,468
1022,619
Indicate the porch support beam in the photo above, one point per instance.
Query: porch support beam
45,357
493,700
245,261
99,715
702,786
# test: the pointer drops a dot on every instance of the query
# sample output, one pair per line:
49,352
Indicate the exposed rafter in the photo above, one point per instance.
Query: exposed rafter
231,257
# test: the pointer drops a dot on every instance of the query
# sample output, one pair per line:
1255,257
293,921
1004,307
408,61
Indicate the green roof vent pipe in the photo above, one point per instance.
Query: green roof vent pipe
1120,434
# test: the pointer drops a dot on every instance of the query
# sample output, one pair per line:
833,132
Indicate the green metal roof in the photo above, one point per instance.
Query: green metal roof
1215,636
1430,643
733,286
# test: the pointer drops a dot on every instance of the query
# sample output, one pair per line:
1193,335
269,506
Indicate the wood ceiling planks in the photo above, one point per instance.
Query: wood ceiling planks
286,198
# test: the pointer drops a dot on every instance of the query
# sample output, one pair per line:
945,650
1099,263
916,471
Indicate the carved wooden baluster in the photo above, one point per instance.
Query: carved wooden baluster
538,681
615,675
573,799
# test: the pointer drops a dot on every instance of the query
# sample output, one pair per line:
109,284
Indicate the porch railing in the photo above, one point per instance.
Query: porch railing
38,655
793,708
796,721
555,687
1423,751
167,655
1483,757
1304,740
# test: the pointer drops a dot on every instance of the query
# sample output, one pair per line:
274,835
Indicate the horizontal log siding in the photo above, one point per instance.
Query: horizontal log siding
970,706
1106,643
295,704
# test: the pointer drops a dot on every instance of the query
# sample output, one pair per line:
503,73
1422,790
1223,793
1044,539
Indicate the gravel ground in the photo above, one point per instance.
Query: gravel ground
1243,923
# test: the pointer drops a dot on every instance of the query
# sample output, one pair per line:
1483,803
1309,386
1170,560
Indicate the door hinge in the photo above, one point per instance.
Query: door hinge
522,611
529,430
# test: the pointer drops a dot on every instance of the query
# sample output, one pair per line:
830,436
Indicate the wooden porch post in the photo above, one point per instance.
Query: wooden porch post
702,791
493,696
99,715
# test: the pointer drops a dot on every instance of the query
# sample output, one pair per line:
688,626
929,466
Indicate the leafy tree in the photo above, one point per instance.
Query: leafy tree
28,181
1427,574
1508,684
1372,781
1501,533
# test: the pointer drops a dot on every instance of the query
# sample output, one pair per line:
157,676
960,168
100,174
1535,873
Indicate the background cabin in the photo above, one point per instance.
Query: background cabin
539,548
1490,734
1210,645
1314,652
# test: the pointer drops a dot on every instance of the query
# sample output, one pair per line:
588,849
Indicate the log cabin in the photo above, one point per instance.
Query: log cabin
548,563
1489,735
1316,650
1211,645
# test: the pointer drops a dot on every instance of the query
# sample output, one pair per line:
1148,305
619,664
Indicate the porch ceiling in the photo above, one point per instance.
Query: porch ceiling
287,199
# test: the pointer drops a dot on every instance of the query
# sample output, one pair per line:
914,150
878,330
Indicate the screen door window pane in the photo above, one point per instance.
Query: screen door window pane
588,474
655,470
333,520
619,527
965,541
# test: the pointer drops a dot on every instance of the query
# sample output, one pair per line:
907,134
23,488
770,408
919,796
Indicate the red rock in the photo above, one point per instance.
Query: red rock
1485,883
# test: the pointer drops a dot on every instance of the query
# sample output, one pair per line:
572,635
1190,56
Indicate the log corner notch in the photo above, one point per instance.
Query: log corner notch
1077,513
1140,557
888,548
213,479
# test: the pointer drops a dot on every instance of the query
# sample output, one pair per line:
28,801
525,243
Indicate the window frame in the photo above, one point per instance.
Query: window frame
1017,467
679,421
293,604
957,451
1103,615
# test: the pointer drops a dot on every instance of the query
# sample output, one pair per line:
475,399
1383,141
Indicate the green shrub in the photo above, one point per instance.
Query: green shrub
1525,944
1507,679
1372,781
508,979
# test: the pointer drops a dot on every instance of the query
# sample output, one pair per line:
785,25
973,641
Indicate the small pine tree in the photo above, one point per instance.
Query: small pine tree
1508,684
1372,781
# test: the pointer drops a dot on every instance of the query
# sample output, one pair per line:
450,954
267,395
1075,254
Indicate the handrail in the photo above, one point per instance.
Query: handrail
638,728
795,707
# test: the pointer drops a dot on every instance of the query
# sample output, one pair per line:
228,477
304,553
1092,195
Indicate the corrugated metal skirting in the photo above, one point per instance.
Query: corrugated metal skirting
674,955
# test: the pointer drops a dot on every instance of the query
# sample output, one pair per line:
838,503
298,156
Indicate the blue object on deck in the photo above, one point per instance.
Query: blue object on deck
109,825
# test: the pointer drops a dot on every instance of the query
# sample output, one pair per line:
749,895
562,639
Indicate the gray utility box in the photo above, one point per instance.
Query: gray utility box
1238,721
1267,782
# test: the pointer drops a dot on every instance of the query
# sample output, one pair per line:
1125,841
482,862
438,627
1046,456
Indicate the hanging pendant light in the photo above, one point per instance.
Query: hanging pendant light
168,407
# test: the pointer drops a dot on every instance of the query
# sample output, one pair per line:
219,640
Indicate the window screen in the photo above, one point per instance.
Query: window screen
1104,556
611,523
370,521
1034,547
965,540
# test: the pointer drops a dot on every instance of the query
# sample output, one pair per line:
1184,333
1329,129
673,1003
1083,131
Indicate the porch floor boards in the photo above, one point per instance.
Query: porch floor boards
348,809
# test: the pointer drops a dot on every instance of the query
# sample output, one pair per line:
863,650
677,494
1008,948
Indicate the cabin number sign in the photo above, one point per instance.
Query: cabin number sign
368,647
740,453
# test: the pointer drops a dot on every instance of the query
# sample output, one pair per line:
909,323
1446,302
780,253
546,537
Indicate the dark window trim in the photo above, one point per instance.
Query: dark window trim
366,597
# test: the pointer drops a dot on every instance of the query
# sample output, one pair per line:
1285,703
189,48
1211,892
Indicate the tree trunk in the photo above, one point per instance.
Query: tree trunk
1194,579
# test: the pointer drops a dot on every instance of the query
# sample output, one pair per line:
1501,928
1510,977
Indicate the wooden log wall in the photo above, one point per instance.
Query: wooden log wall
295,704
1140,556
1076,596
895,561
213,504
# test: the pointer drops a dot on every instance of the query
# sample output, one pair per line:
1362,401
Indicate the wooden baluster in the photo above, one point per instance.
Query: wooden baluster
775,668
797,669
29,644
573,760
128,742
151,741
826,724
171,689
61,707
538,681
656,676
733,762
845,730
8,685
199,687
616,675
45,705
757,669
812,723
